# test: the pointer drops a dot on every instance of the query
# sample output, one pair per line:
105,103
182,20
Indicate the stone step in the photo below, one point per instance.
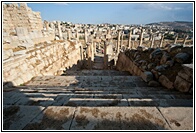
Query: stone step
59,95
142,91
128,102
161,102
97,118
85,81
98,66
127,92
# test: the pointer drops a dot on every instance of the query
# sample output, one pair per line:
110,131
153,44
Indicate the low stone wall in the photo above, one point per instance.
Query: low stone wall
43,59
170,67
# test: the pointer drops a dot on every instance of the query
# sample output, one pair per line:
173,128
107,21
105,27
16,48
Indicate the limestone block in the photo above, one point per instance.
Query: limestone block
181,84
9,46
26,45
164,58
188,69
32,35
29,41
147,76
153,83
175,48
181,57
24,67
7,39
186,75
21,52
21,31
41,65
18,81
151,66
160,68
7,54
157,53
170,63
166,82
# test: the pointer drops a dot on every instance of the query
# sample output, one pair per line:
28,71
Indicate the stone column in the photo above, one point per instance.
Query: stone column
59,30
77,36
176,38
152,42
129,41
88,53
92,51
105,56
118,42
99,47
85,36
95,48
184,42
121,44
69,34
150,39
141,37
161,42
133,45
88,50
81,52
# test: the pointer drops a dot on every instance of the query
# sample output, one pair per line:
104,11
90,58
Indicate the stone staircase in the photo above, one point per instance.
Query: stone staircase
98,63
95,99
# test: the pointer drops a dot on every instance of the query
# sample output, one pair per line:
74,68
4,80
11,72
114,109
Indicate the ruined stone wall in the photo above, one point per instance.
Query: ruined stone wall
22,27
171,67
21,15
43,59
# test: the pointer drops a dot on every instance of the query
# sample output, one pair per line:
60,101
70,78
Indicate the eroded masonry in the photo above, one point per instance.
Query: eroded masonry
57,77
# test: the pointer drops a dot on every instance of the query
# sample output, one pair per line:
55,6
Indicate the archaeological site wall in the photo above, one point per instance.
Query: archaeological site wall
22,27
45,59
15,15
171,67
30,50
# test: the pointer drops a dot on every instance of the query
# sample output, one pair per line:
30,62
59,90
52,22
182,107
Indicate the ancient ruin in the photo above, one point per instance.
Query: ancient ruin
56,77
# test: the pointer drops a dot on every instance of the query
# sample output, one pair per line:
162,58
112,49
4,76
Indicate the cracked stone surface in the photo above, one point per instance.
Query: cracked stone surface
118,118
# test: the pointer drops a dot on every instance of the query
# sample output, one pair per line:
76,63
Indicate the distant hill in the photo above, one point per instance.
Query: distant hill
180,25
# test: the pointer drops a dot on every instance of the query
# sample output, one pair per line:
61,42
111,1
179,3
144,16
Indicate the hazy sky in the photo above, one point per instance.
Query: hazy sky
116,13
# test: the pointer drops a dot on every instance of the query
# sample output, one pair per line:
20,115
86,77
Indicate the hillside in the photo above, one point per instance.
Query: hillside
180,25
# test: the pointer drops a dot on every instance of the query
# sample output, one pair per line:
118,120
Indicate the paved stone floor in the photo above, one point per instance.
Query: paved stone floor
95,100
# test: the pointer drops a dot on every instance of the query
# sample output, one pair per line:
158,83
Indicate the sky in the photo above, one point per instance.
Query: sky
114,12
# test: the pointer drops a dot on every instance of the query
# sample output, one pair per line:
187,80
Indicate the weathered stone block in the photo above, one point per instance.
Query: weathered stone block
157,53
21,52
147,76
153,83
151,66
165,58
181,57
7,54
160,68
170,63
181,84
175,48
187,76
21,31
166,82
